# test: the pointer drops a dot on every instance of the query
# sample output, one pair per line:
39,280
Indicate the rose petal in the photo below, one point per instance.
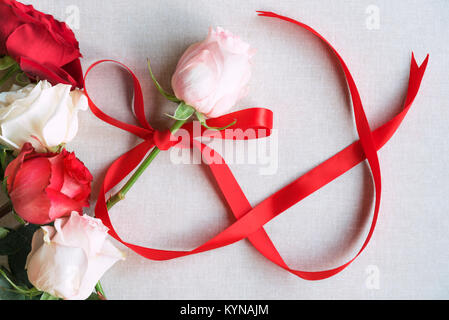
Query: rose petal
51,73
16,164
79,103
40,46
54,132
76,72
58,270
28,191
82,231
57,172
61,205
41,236
98,265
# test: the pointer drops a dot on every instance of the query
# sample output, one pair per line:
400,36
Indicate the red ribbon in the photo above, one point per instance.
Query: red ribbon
250,221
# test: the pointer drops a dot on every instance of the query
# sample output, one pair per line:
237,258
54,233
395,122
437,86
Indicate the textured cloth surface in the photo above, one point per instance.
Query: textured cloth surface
297,77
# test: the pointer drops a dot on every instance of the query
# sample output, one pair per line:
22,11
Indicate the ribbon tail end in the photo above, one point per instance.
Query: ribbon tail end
424,64
265,13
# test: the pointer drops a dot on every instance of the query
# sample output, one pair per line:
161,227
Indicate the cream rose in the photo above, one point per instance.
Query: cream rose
67,260
42,114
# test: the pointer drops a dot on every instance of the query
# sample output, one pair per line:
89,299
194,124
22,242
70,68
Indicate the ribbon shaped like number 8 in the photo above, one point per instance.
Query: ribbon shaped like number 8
250,221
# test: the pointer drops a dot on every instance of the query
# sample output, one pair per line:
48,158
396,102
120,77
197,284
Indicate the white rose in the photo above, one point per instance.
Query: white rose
67,260
42,114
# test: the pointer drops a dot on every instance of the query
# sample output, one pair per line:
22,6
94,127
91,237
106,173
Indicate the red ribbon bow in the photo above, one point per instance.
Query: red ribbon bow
250,221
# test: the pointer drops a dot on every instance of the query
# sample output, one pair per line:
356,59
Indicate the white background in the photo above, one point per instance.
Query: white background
295,75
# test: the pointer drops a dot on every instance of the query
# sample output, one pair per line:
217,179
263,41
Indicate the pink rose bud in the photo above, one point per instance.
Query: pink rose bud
67,260
213,75
46,186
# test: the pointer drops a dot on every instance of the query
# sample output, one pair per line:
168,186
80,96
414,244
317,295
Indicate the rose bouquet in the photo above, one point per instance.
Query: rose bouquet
56,252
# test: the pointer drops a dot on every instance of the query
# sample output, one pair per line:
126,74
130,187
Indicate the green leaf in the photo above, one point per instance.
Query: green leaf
16,240
6,62
22,79
6,156
3,159
159,87
3,232
10,286
18,218
99,288
5,185
17,260
9,156
16,263
7,291
12,243
9,73
47,296
183,112
7,148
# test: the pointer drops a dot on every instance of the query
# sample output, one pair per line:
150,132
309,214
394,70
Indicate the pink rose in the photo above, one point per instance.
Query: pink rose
46,186
67,260
212,75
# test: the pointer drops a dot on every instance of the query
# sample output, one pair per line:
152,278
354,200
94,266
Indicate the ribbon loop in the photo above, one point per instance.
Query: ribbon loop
145,130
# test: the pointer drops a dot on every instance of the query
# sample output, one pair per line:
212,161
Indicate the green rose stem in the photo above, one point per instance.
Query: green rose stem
124,190
18,289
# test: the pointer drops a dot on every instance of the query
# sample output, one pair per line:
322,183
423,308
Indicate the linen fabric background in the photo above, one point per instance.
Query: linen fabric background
296,76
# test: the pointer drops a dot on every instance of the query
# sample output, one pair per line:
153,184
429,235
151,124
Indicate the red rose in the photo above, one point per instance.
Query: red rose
47,186
43,46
